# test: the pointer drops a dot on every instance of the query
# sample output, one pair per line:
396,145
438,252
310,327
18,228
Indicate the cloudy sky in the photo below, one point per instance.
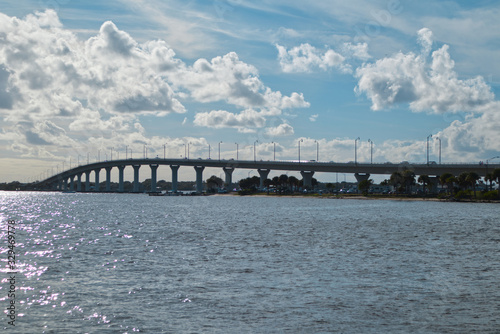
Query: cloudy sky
86,79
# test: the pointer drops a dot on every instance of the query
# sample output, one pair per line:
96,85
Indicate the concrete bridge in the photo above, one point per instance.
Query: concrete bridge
72,179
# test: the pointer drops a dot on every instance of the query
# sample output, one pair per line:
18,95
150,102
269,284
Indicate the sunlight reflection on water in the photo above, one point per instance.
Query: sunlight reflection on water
97,262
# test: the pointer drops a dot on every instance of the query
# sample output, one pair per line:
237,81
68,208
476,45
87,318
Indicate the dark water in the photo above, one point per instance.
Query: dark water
105,263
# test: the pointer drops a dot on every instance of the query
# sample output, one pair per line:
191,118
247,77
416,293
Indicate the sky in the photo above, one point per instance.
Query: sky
87,80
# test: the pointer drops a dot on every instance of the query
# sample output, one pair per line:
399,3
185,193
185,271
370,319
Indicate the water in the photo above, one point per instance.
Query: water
123,263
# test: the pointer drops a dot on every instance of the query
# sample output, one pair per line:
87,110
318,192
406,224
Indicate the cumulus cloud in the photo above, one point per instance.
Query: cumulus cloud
97,88
217,119
359,51
307,58
434,86
281,130
425,38
313,118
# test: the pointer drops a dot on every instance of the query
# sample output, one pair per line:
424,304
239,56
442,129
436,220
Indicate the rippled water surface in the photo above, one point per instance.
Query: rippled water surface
122,263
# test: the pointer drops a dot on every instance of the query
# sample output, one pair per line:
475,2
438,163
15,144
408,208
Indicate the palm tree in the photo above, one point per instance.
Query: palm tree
408,180
448,179
496,176
472,179
293,182
425,180
396,180
489,178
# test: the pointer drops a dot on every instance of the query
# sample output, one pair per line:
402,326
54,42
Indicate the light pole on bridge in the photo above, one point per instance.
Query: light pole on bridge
236,151
219,149
429,136
254,154
356,150
302,140
439,149
274,151
371,150
317,150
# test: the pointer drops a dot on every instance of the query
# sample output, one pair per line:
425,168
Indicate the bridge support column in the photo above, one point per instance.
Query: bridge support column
154,168
72,183
108,178
65,184
263,176
361,177
307,179
199,178
60,185
136,178
87,180
96,185
120,178
229,176
79,182
175,169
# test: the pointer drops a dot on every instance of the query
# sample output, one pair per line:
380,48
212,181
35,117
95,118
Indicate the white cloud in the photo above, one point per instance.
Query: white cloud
313,118
245,120
359,51
281,130
425,38
408,78
307,58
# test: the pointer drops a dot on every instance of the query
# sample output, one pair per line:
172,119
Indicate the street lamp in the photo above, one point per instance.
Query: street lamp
356,150
429,136
317,150
302,140
439,149
188,149
274,150
219,149
99,155
236,151
185,154
111,155
254,155
371,150
126,152
164,151
208,151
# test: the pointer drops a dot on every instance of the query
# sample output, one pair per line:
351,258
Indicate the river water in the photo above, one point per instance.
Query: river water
126,263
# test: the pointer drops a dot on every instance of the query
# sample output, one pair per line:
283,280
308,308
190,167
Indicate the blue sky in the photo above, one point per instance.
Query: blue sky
78,78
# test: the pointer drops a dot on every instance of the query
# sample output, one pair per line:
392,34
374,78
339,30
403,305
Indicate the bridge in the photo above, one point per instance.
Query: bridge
72,179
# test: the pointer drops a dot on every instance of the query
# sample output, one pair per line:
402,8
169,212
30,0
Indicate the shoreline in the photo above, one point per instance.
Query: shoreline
364,198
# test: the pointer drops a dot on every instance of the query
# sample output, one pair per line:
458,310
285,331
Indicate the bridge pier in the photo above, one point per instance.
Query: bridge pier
361,177
120,178
60,185
72,183
97,185
136,178
175,169
154,169
263,176
87,180
307,179
199,178
79,182
108,178
229,176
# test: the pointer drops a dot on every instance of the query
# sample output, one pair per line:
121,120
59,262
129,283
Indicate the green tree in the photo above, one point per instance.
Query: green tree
496,177
472,179
425,180
396,180
214,182
364,186
408,180
293,182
